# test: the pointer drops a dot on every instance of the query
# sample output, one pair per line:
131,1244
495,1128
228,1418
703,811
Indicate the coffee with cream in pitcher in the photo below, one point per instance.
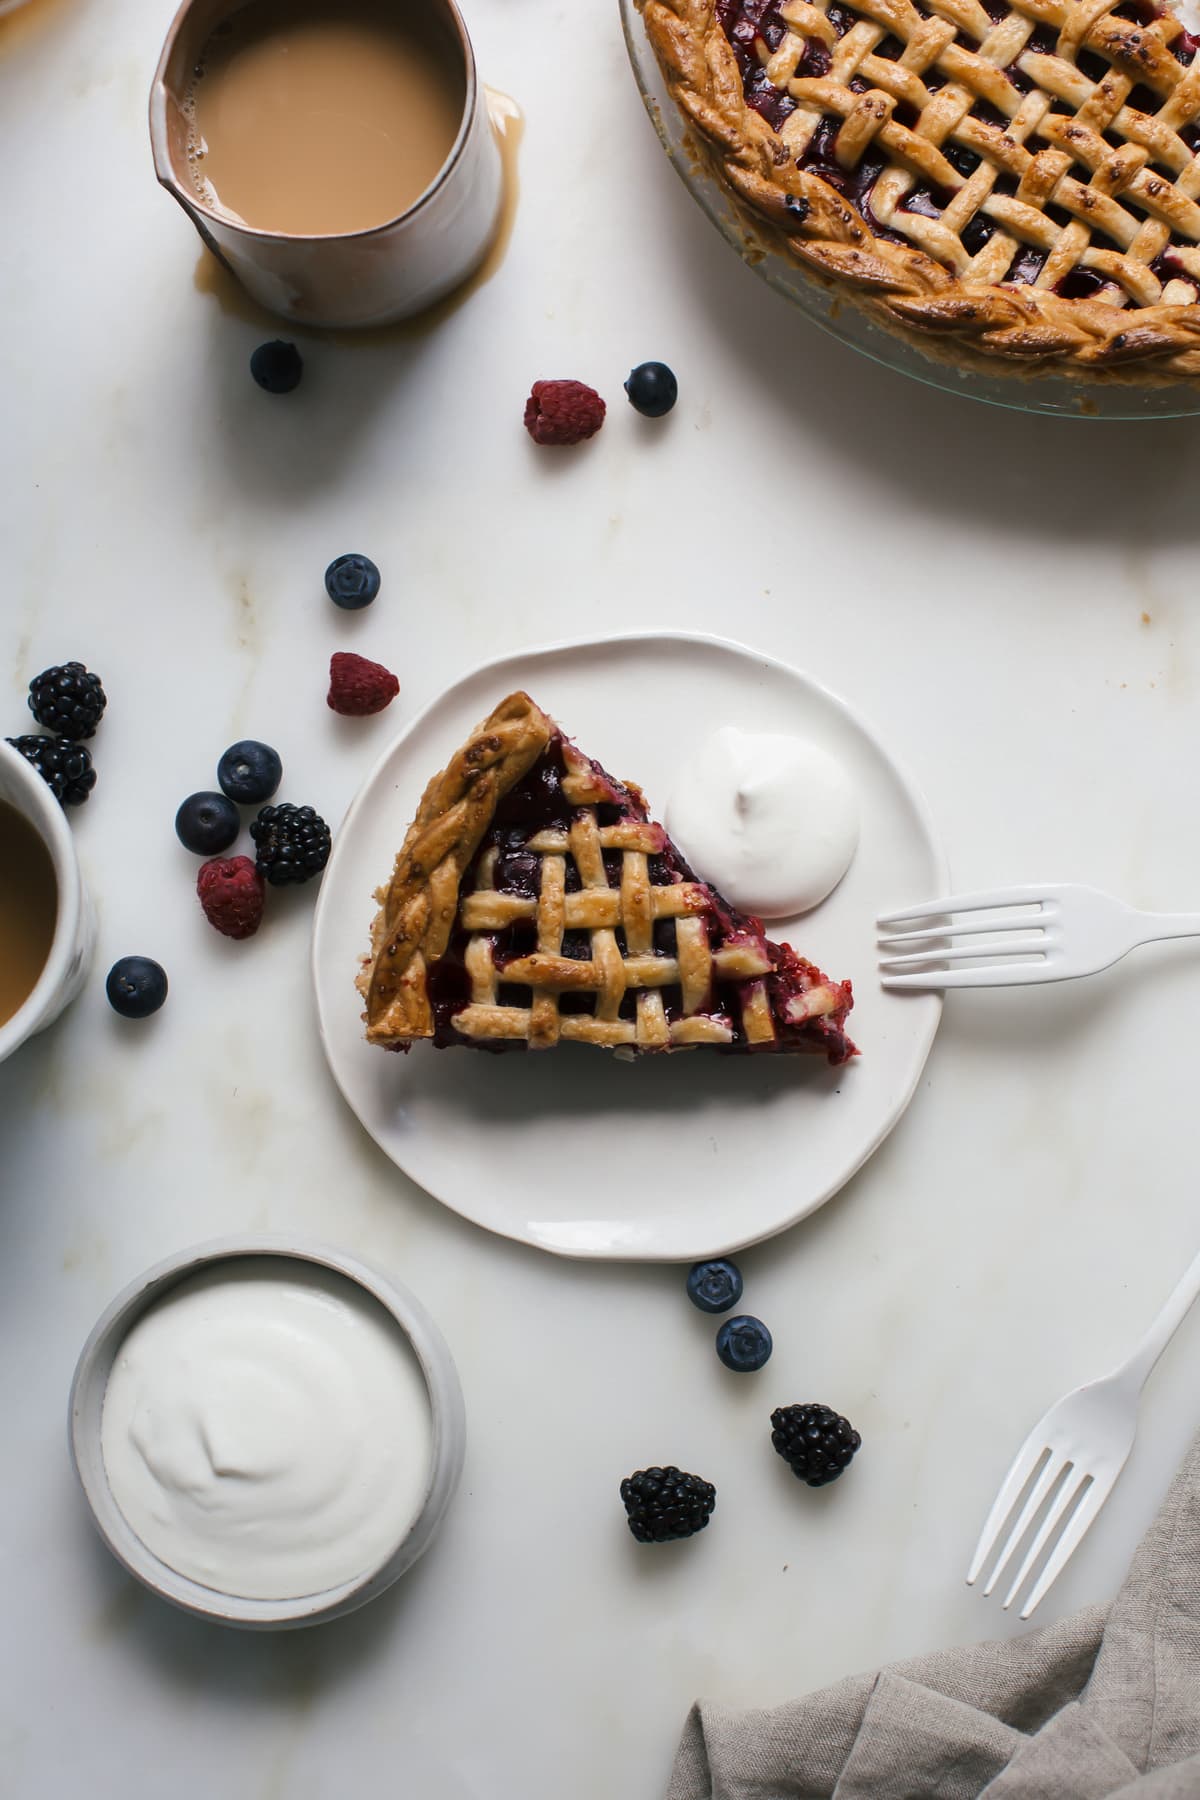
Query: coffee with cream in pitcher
312,118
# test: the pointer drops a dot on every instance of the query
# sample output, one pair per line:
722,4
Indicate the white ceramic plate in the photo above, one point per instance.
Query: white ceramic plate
667,1158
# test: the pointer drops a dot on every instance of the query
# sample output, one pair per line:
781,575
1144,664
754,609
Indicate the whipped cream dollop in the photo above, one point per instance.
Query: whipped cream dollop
769,819
266,1429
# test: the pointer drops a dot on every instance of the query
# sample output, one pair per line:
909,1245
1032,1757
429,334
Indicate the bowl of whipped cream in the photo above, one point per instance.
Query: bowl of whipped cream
268,1433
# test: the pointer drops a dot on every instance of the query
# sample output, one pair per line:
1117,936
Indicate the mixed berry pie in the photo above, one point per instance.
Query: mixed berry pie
535,901
1004,181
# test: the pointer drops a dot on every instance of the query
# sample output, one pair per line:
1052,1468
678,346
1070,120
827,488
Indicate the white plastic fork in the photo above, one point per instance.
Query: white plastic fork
1070,931
1071,1459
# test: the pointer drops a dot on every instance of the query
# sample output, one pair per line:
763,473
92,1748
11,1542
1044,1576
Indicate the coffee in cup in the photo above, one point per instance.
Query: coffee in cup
28,909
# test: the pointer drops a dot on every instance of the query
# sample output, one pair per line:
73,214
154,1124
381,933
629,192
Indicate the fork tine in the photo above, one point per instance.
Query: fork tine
1032,946
1068,1496
952,903
1024,1464
1008,974
1067,1544
1042,1486
1007,921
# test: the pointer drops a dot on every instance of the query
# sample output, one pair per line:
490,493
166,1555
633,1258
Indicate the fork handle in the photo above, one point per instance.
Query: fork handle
1158,926
1178,1305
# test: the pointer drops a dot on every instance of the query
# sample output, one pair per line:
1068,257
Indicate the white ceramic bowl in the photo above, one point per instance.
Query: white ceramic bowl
75,931
87,1401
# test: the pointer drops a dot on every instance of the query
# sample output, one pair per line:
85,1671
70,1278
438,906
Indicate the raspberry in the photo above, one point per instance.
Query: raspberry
563,412
358,687
232,893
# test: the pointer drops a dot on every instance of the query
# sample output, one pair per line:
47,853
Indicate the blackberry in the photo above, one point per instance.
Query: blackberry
816,1443
66,768
665,1503
68,700
292,844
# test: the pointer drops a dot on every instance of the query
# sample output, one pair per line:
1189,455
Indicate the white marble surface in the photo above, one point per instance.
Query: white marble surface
1010,601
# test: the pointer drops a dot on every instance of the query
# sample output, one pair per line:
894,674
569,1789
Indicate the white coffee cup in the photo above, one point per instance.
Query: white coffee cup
75,930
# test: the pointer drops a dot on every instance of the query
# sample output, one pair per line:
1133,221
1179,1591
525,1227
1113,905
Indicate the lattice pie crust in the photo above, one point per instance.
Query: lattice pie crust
1014,180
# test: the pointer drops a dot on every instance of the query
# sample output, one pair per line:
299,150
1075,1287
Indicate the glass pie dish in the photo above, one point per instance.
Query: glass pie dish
1119,397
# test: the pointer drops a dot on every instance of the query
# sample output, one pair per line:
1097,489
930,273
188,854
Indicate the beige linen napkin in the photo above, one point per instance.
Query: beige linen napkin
1104,1703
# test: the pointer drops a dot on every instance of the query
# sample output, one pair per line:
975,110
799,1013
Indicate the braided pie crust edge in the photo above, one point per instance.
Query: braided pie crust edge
418,907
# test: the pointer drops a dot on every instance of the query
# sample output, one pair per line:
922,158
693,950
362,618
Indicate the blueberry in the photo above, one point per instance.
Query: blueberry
207,824
714,1286
250,772
652,389
136,987
277,366
352,582
743,1344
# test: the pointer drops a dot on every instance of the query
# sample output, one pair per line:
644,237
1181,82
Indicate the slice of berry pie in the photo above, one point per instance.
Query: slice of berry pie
535,901
1006,182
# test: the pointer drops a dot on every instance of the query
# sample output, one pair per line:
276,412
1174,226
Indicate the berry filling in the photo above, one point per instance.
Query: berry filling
1081,284
1169,268
751,23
